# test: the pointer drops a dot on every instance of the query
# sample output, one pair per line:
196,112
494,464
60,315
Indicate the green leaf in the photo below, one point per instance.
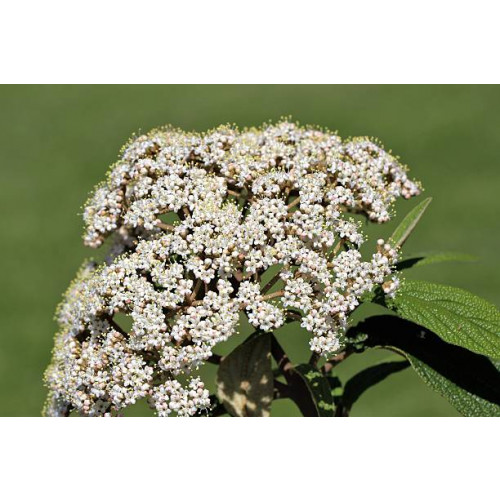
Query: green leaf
408,224
457,316
466,403
336,388
318,389
424,260
367,378
470,382
245,379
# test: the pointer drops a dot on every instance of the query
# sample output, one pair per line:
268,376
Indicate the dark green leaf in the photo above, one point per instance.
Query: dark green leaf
318,389
336,388
457,316
408,224
458,397
424,260
245,379
367,378
469,381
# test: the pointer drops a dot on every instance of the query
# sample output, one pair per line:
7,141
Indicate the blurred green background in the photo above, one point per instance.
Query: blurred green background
57,142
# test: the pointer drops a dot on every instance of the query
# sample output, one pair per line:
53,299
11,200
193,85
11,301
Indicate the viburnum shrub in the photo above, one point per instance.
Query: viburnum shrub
211,232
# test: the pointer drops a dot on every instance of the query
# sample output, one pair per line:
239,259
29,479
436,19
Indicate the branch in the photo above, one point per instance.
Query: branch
294,202
117,327
280,356
313,360
281,391
270,296
166,227
332,363
196,289
271,282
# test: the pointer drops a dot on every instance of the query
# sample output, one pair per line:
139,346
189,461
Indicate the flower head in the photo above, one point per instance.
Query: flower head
195,220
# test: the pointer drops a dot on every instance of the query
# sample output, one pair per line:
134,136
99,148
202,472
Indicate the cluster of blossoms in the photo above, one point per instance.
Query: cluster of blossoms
195,220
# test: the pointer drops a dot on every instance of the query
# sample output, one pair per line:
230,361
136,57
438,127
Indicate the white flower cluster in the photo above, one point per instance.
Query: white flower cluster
197,219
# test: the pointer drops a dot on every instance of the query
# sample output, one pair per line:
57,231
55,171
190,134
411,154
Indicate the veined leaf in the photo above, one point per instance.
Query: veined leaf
424,260
367,378
318,389
467,404
457,316
245,379
408,224
469,381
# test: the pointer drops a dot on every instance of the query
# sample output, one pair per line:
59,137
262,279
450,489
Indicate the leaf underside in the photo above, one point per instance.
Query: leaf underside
245,379
469,381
